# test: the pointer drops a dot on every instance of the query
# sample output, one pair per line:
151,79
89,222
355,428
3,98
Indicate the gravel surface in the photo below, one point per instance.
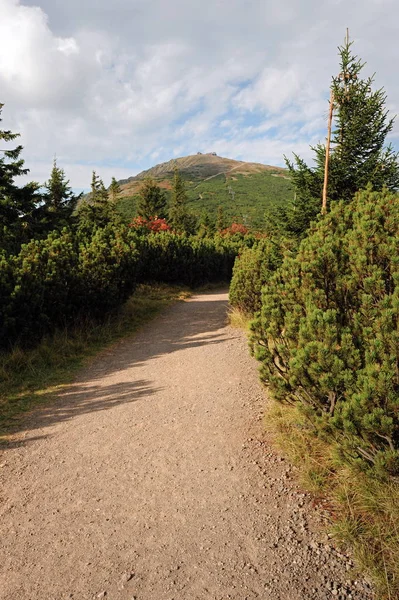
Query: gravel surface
152,478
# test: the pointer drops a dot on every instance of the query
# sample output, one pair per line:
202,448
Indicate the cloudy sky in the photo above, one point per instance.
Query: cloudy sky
120,85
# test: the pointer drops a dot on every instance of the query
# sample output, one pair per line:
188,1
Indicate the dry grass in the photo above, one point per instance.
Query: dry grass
238,319
364,510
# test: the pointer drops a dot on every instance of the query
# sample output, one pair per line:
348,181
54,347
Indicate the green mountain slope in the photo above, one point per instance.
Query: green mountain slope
245,190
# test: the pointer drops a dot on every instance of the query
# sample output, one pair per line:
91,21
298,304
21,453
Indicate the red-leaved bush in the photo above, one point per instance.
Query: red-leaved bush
153,224
235,228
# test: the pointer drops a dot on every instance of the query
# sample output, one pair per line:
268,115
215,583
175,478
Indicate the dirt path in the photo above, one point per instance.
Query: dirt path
217,175
151,478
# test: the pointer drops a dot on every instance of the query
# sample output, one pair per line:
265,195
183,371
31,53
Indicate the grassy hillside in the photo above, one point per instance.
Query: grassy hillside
244,198
245,190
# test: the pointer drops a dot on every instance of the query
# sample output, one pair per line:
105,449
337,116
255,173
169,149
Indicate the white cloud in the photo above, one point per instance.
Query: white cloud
272,90
68,46
79,175
36,67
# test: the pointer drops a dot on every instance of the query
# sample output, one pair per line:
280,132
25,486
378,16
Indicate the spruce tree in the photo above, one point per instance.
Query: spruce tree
60,201
99,195
152,200
179,218
205,225
17,204
114,190
220,221
97,210
358,154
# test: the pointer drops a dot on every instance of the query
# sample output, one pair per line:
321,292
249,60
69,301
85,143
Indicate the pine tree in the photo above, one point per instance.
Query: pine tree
114,190
152,201
97,210
327,333
17,204
205,225
99,194
220,221
179,218
60,201
358,156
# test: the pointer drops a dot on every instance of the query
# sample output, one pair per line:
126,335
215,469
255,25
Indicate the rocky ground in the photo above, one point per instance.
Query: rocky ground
152,478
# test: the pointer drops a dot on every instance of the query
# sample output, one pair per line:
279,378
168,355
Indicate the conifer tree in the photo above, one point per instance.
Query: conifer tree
205,225
179,218
220,221
152,200
17,204
358,155
60,201
96,211
327,332
114,190
99,194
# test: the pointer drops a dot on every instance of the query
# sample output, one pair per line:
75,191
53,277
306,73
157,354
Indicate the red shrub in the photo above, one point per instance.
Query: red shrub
235,228
153,224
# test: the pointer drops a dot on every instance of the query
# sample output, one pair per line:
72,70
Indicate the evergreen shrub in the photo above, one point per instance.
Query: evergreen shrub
108,270
252,269
69,275
43,279
53,282
171,258
328,330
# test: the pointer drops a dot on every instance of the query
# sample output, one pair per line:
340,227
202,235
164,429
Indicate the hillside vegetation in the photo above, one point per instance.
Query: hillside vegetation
246,191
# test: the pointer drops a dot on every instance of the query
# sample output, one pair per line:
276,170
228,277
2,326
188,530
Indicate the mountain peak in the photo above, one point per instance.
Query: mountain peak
198,167
245,190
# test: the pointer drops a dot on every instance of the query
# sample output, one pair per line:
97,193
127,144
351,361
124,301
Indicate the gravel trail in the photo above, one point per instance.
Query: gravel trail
151,478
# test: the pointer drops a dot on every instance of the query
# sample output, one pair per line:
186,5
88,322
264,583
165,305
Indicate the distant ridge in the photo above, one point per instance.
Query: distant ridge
245,190
199,166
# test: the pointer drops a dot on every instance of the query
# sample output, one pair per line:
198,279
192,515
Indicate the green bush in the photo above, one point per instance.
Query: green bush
107,270
7,284
70,275
328,331
44,277
170,258
252,269
53,282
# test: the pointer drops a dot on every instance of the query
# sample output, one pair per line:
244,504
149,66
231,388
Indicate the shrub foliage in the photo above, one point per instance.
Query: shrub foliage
328,331
54,281
252,269
69,275
171,258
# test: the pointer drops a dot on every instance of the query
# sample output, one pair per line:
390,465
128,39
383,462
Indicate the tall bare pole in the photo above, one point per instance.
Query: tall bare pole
328,144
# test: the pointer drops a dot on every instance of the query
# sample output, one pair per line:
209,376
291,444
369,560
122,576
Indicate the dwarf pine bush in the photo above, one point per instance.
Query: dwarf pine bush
54,281
107,270
69,275
328,331
171,258
252,269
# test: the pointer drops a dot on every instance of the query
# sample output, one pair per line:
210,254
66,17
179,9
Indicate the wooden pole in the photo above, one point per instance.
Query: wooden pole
328,143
